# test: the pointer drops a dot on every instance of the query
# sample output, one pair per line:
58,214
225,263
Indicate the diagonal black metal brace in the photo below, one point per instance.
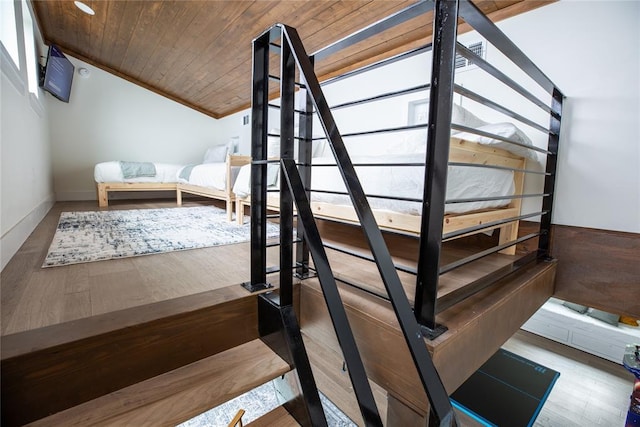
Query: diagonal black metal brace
279,329
441,410
336,309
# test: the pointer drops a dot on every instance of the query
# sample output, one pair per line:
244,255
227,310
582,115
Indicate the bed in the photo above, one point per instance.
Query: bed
213,178
115,176
406,182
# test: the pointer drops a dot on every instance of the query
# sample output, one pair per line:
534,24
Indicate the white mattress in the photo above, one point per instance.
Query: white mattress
401,181
211,175
111,172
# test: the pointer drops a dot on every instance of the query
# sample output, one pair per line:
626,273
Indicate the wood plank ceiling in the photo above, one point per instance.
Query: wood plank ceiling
198,53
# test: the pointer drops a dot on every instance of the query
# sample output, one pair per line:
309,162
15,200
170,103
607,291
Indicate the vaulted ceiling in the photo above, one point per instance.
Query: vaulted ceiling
198,53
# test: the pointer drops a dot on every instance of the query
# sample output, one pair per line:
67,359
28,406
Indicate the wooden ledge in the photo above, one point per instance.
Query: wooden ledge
181,394
278,417
477,326
47,370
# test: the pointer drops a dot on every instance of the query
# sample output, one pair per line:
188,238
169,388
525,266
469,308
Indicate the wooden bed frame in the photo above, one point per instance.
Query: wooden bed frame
460,151
227,195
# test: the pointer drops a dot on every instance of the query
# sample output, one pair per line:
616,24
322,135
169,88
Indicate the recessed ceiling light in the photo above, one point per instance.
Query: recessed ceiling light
83,7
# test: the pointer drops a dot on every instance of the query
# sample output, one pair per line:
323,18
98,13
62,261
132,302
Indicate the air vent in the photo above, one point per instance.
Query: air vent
477,47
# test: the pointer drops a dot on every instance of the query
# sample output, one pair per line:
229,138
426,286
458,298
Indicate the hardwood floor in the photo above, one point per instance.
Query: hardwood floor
33,297
590,391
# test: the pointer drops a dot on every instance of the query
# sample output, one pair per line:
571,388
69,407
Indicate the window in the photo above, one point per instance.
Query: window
31,52
9,31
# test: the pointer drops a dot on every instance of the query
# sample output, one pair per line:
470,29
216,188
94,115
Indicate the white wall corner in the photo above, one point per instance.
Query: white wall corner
18,234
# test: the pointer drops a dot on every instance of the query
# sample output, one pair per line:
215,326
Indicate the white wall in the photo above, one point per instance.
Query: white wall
25,176
109,118
591,51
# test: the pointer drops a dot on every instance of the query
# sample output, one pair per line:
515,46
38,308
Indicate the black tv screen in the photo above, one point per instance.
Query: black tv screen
58,74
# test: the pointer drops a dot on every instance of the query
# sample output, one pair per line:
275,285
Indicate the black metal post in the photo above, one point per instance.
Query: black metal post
259,117
435,186
287,107
279,329
305,150
544,242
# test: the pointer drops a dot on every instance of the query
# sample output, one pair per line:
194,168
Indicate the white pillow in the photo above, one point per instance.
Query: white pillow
232,145
464,117
273,144
216,154
506,130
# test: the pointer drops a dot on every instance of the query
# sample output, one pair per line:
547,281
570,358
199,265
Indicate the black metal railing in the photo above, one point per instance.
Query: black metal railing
417,321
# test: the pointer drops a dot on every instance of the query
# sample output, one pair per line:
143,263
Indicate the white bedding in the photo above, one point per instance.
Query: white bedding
400,181
211,175
111,172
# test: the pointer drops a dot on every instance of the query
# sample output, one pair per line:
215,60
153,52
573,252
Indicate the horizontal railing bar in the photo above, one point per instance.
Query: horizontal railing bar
381,96
454,297
483,25
277,79
358,286
391,21
485,225
493,71
376,131
264,162
350,283
277,107
491,198
299,138
457,264
494,105
375,196
346,251
411,53
417,164
506,168
358,165
494,136
274,244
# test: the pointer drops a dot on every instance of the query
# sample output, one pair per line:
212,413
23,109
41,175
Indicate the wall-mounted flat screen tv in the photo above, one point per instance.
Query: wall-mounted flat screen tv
58,74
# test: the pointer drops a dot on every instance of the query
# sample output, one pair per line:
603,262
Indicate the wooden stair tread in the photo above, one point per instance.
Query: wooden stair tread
181,394
278,417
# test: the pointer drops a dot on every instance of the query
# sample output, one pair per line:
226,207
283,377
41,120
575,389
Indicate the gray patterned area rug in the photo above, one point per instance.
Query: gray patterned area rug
103,235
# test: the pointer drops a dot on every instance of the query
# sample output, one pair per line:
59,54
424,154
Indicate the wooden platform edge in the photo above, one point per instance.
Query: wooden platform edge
477,328
277,417
181,394
61,372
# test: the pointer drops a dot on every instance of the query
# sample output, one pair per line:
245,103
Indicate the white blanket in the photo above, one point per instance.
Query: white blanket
400,181
112,172
211,175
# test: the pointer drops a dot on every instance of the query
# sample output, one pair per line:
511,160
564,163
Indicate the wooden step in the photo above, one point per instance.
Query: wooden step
181,394
278,417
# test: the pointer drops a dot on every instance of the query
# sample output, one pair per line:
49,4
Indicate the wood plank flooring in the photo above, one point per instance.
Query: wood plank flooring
33,297
590,391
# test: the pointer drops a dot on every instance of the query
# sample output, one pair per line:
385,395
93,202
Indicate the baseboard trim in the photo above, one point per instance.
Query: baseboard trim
74,196
13,238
